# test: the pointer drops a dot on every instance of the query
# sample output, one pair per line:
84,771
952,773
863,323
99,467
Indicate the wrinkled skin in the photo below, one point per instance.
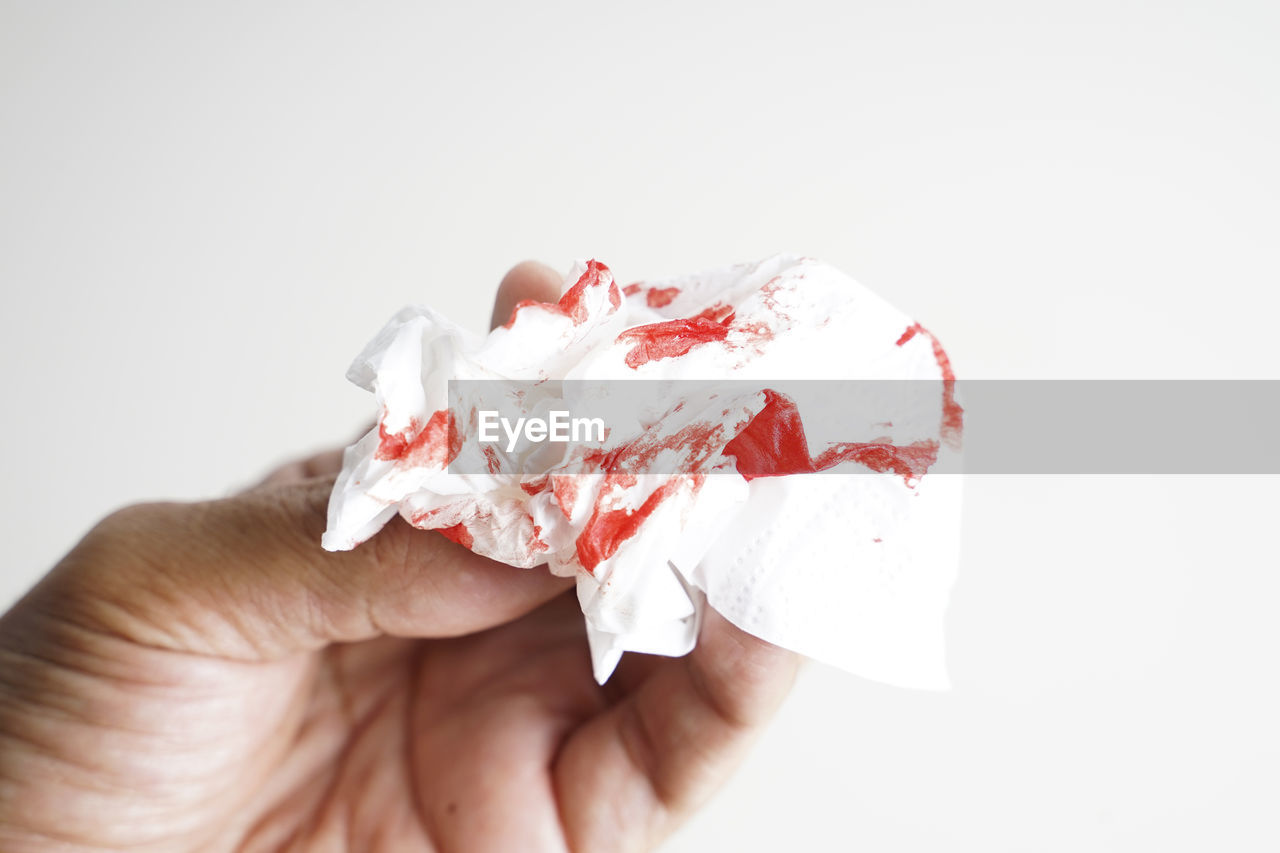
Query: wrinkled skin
204,676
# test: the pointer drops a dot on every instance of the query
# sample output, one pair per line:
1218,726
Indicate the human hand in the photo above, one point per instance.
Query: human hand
204,676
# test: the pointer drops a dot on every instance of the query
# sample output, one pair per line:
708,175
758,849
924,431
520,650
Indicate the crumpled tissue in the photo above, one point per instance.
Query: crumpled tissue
851,566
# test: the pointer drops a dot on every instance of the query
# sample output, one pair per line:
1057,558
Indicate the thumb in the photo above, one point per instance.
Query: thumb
245,577
527,281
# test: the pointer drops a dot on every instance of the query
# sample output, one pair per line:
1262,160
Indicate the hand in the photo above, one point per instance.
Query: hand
204,676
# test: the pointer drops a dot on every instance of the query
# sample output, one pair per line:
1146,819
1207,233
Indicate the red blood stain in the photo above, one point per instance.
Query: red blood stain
910,462
535,542
952,412
625,479
433,446
573,303
458,533
698,443
632,289
718,313
660,297
691,447
491,459
392,445
525,303
424,518
607,529
670,339
774,445
755,334
533,487
769,296
564,488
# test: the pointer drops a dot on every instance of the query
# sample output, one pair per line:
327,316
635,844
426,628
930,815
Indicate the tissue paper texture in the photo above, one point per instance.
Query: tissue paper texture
824,535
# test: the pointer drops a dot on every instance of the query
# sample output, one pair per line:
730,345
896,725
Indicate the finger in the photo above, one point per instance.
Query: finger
324,464
246,577
494,709
644,766
526,281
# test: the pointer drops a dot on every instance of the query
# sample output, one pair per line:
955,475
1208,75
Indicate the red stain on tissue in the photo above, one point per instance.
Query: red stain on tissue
952,412
910,462
774,445
392,445
670,338
526,303
691,449
564,488
458,533
607,529
535,543
533,487
717,313
491,460
573,303
434,445
660,297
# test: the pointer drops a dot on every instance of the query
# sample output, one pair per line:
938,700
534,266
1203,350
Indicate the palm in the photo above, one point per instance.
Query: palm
435,741
496,740
491,713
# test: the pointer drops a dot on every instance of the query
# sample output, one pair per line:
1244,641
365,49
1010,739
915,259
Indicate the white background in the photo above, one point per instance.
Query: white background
206,209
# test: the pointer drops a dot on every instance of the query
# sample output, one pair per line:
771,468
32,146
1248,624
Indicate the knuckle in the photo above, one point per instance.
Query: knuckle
129,532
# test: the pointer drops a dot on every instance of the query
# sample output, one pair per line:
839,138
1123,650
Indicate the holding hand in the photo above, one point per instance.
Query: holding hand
204,676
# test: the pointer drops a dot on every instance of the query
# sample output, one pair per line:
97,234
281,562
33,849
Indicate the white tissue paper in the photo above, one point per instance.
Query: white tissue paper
851,566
